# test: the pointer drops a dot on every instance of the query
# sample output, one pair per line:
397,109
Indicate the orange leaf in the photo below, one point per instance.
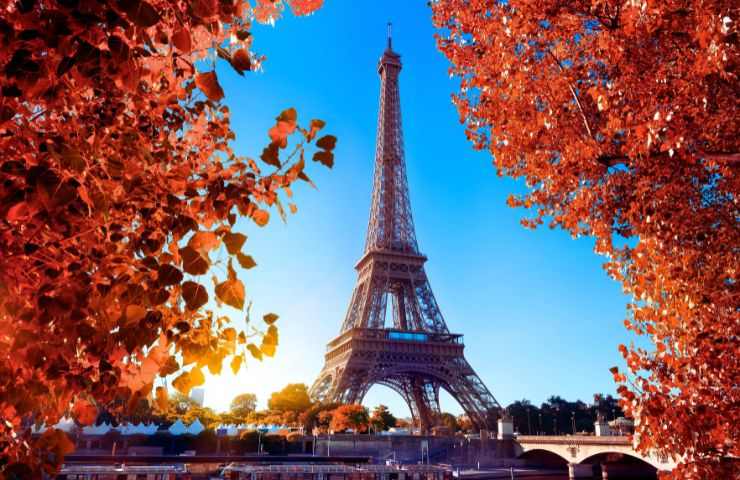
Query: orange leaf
236,363
327,142
204,242
260,217
84,411
195,295
161,399
256,353
135,313
193,262
208,83
240,60
234,242
231,292
183,383
196,377
246,261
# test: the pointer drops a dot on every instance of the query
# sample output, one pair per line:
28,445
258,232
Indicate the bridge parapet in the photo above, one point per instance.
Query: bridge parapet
576,449
571,439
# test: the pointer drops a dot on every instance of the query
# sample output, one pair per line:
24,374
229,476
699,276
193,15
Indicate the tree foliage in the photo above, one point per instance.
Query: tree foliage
118,192
317,417
244,404
293,398
382,419
350,417
622,119
449,421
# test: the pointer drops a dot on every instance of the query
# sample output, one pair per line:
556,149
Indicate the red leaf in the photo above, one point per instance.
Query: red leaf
208,83
181,40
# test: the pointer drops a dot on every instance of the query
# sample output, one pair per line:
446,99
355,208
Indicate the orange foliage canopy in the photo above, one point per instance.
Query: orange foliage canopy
118,190
622,118
352,416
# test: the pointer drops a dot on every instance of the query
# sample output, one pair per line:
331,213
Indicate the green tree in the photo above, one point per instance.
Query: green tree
293,398
244,404
382,418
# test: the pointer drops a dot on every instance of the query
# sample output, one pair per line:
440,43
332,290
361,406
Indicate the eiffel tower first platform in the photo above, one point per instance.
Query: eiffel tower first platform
394,333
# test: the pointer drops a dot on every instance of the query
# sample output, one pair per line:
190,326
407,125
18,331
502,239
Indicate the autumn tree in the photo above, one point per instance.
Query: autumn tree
382,419
293,398
318,416
403,423
119,191
622,120
464,423
350,417
244,404
449,421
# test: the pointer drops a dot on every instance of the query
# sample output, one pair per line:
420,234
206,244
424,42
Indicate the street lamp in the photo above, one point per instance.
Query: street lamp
539,432
260,431
529,425
573,421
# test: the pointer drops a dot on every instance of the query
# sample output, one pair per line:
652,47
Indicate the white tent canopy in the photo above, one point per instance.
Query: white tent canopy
65,424
178,428
101,429
196,427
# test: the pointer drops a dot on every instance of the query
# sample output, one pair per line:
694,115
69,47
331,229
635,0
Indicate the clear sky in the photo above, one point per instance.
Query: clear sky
539,315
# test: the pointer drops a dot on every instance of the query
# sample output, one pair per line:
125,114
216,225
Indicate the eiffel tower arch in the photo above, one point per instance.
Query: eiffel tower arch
393,333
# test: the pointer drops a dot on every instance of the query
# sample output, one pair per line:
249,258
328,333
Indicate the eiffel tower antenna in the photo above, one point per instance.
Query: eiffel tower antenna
393,333
390,36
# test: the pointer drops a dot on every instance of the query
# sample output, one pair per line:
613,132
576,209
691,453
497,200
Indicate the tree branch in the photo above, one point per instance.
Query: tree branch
572,92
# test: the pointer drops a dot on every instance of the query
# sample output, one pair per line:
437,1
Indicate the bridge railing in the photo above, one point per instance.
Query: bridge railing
571,439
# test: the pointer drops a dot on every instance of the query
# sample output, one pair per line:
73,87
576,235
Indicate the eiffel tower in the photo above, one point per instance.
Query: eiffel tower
394,333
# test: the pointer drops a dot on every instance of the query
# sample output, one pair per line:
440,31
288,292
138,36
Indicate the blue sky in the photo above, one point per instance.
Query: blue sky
539,315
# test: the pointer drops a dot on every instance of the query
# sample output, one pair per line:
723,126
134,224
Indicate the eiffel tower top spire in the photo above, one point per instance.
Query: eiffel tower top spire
391,226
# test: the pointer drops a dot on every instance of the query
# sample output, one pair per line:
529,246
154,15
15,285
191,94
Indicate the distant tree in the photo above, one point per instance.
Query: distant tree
206,415
607,406
521,413
382,419
353,416
448,421
621,118
244,404
323,420
465,424
257,417
179,405
311,418
290,418
293,398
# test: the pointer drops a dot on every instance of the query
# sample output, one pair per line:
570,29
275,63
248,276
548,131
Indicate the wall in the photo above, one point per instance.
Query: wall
408,448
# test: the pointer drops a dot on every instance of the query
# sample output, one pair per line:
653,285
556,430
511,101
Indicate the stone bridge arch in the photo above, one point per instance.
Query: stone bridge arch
578,450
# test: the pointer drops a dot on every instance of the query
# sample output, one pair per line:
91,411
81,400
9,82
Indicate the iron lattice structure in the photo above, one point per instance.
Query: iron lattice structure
394,333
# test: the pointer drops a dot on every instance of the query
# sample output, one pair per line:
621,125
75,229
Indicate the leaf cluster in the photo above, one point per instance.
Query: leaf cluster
119,191
621,119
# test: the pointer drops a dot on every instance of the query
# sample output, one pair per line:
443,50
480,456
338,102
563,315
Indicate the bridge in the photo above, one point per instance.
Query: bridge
613,455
